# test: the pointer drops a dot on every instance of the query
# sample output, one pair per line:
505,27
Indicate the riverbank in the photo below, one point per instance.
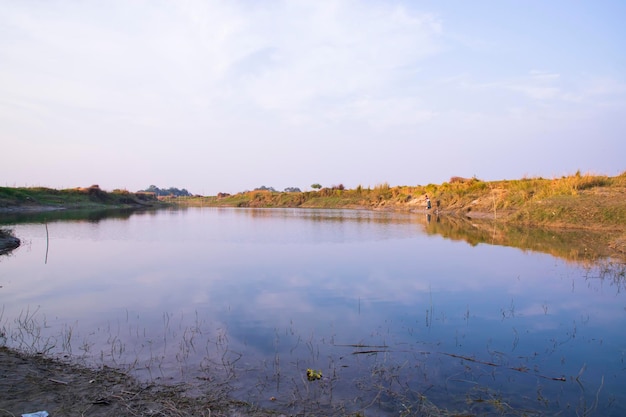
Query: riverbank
586,203
39,199
30,383
15,201
589,202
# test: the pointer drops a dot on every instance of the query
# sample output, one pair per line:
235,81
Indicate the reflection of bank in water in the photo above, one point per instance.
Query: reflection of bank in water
8,242
437,219
429,206
580,246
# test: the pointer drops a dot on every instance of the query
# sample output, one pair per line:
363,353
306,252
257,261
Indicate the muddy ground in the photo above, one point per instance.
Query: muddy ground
30,383
8,242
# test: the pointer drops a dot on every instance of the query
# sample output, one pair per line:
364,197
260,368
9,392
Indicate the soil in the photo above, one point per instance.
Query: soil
8,242
31,383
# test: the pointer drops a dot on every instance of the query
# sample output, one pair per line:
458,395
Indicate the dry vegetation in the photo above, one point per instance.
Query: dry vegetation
584,202
577,201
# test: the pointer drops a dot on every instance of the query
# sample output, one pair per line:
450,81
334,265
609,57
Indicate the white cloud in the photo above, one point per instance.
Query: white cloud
544,75
262,83
330,53
386,112
285,58
536,92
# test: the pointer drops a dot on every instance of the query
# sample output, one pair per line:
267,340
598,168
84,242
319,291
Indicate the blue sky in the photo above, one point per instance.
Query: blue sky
226,96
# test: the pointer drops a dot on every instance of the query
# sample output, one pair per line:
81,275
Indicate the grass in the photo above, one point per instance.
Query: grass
584,201
577,201
523,208
92,197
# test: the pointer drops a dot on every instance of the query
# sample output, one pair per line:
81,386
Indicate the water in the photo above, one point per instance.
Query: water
397,320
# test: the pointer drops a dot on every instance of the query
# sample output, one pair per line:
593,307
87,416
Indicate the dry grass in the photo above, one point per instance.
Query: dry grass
581,200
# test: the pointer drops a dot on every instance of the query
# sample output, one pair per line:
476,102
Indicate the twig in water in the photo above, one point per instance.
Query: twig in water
518,369
57,381
47,243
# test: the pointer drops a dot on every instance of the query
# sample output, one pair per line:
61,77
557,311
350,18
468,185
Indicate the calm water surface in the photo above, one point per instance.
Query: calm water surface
396,320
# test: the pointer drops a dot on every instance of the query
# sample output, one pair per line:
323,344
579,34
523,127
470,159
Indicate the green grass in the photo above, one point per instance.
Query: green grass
92,197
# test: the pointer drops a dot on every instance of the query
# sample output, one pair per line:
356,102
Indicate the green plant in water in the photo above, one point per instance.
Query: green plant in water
313,375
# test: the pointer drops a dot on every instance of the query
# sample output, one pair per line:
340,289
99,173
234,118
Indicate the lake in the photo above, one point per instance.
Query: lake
389,315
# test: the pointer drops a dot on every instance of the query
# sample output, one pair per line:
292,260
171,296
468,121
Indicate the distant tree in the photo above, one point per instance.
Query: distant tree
178,193
316,186
264,188
292,190
172,191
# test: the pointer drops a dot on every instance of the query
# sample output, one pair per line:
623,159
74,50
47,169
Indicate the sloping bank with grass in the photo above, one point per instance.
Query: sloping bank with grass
577,201
593,203
41,198
587,202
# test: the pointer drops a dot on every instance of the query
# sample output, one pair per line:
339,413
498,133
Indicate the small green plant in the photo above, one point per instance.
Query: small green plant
313,375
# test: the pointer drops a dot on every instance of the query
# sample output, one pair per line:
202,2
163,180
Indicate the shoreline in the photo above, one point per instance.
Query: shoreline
34,382
614,245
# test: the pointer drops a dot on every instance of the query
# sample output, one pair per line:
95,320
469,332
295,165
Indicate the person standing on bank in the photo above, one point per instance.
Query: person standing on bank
427,202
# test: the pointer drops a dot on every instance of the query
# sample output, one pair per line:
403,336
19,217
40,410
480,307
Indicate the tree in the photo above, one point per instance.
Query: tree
292,190
172,191
316,186
264,188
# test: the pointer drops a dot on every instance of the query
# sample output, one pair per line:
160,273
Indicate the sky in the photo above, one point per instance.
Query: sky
229,96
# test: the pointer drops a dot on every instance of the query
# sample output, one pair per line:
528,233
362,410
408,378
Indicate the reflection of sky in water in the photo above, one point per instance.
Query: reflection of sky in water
296,284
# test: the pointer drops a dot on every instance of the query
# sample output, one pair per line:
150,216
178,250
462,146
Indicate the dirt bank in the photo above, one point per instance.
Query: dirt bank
8,242
30,383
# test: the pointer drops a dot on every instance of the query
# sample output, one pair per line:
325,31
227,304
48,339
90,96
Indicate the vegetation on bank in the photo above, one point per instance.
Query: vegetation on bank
582,201
40,198
578,201
163,192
